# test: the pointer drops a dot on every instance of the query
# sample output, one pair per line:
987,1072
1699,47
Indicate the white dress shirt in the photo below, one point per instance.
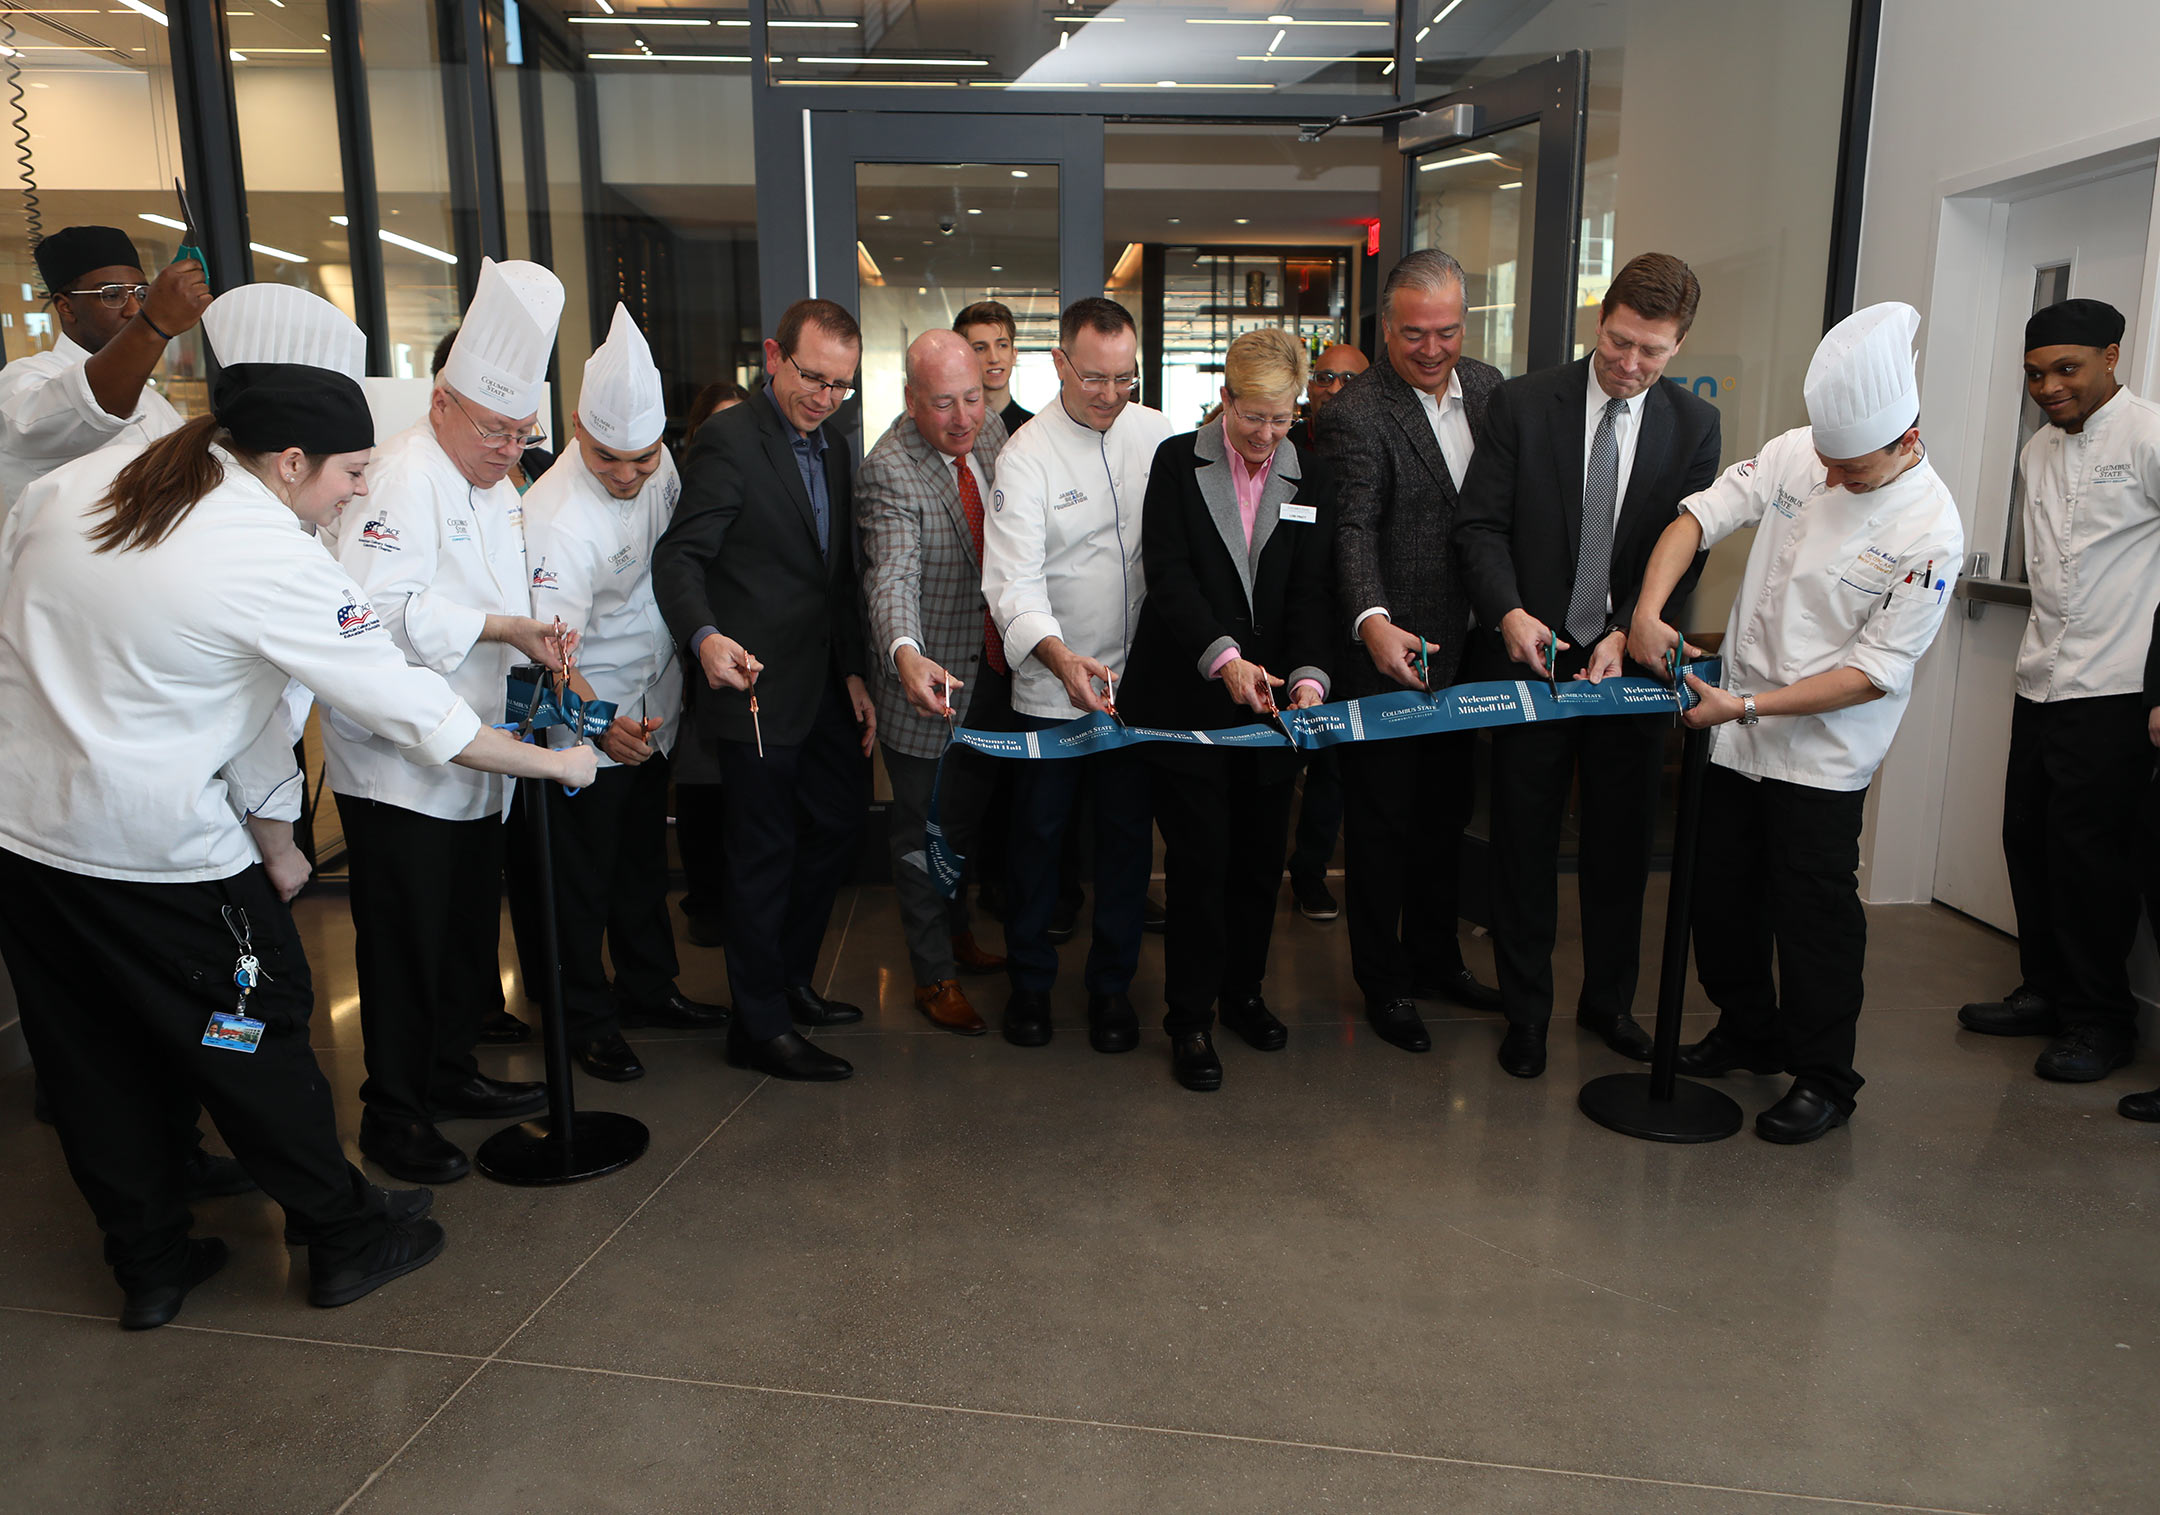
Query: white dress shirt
1061,545
144,686
1834,580
48,416
1450,423
591,557
437,556
2092,553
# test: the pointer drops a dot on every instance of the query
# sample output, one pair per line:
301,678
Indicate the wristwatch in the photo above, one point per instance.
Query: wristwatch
1748,717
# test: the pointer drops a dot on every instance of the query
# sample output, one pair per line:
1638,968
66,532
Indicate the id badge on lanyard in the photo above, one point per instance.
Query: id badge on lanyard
235,1030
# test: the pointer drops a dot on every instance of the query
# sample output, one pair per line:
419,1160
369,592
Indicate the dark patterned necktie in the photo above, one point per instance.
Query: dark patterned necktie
971,507
1593,564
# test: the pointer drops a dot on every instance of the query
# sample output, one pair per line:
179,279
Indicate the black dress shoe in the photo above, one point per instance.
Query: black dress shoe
1027,1018
1718,1054
398,1205
1315,901
608,1057
147,1309
1522,1051
478,1097
502,1029
787,1055
412,1150
407,1247
2024,1013
212,1177
1623,1033
678,1012
1460,985
1113,1024
1801,1116
807,1007
1153,917
1193,1062
1250,1018
2085,1054
1399,1025
2144,1106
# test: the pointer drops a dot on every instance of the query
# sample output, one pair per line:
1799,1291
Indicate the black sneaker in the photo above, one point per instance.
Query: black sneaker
1064,920
1314,901
407,1247
398,1205
212,1177
147,1309
1153,917
2085,1054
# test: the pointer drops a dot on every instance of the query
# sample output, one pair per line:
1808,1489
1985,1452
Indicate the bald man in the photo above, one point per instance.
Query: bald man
1334,368
937,659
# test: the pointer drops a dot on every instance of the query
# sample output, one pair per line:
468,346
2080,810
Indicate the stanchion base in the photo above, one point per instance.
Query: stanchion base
529,1154
1695,1113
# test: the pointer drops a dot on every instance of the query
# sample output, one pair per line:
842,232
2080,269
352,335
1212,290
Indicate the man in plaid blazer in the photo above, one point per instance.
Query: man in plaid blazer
935,659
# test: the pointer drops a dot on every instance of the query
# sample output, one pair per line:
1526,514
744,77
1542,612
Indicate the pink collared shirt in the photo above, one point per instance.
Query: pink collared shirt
1248,480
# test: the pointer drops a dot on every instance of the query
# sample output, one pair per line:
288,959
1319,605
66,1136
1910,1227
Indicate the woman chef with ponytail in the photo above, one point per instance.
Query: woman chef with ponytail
152,609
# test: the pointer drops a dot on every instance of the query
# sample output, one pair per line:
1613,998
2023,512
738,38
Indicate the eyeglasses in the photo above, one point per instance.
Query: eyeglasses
1331,375
113,296
518,439
819,384
1100,384
1263,423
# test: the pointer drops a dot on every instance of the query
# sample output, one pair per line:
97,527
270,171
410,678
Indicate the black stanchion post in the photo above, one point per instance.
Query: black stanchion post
1658,1106
568,1144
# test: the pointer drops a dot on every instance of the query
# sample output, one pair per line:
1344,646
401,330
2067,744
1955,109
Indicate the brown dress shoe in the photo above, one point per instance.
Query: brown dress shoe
948,1007
971,957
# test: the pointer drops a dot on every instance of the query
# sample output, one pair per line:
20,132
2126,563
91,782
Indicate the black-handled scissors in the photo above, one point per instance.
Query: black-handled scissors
188,248
1552,664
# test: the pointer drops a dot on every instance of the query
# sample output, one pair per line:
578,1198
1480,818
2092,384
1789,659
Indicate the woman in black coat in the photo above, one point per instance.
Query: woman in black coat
1237,540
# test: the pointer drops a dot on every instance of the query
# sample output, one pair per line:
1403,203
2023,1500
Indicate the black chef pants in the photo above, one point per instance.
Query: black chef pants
1224,818
1047,809
611,882
1779,871
1619,761
117,982
1405,803
2076,783
427,925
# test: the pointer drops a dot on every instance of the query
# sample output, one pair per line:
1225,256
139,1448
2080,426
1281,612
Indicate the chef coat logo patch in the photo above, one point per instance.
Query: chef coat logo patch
622,558
380,535
545,577
997,500
1786,503
2114,473
460,530
1070,498
354,617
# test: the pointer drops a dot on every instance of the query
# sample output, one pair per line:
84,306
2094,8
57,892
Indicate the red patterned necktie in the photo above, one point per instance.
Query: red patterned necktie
971,506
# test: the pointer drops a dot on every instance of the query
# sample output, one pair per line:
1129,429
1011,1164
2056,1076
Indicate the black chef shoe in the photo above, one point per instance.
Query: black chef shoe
1249,1016
503,1029
1193,1062
146,1309
1027,1018
412,1150
1623,1033
807,1007
608,1057
678,1012
1399,1025
1718,1054
789,1055
2023,1013
2144,1106
1460,986
478,1097
1113,1024
1522,1051
407,1247
2085,1054
1801,1116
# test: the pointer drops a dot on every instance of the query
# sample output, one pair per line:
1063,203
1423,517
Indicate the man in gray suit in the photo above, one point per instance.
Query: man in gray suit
935,659
1401,435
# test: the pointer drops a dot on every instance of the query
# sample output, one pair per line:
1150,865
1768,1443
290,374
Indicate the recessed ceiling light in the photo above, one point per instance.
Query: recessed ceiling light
1019,173
1244,220
1174,220
884,218
997,268
973,211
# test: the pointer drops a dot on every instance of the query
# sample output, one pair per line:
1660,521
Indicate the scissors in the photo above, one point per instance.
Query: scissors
756,730
1552,665
1424,666
188,249
1110,696
1672,672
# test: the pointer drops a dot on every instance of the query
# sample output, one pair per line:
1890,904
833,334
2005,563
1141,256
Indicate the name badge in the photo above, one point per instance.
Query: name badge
230,1031
1303,515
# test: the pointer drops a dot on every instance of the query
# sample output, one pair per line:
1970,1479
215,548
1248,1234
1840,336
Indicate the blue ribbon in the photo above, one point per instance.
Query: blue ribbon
1375,718
530,704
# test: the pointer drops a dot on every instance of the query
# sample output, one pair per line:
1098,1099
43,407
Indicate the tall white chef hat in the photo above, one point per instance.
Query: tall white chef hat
1861,393
621,404
500,357
278,323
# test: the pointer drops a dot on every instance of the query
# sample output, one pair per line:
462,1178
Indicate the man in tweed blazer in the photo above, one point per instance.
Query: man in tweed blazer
1401,435
922,524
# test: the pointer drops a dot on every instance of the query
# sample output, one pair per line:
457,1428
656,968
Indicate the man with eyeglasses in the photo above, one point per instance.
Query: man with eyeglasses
757,579
437,544
91,387
1061,572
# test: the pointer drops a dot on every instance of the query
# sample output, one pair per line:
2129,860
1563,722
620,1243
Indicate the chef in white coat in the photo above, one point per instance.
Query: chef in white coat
1857,546
92,386
2081,756
156,606
439,547
590,524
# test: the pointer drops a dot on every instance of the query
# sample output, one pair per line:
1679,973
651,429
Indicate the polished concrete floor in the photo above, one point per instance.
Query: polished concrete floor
980,1278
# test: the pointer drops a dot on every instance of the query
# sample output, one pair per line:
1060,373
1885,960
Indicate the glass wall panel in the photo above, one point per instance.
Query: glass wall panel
1477,202
96,95
412,179
1187,51
288,145
1213,295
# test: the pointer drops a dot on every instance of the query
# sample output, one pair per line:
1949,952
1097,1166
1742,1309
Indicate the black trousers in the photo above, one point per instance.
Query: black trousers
700,826
1046,800
792,821
611,883
1779,872
116,982
2077,781
1224,820
1405,803
1618,760
1319,817
427,924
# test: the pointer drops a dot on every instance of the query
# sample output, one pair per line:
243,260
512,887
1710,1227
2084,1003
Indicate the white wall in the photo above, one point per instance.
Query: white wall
1966,92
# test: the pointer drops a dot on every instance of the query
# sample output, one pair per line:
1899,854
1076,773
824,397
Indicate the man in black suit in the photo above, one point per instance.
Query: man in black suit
758,581
1580,469
1400,436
